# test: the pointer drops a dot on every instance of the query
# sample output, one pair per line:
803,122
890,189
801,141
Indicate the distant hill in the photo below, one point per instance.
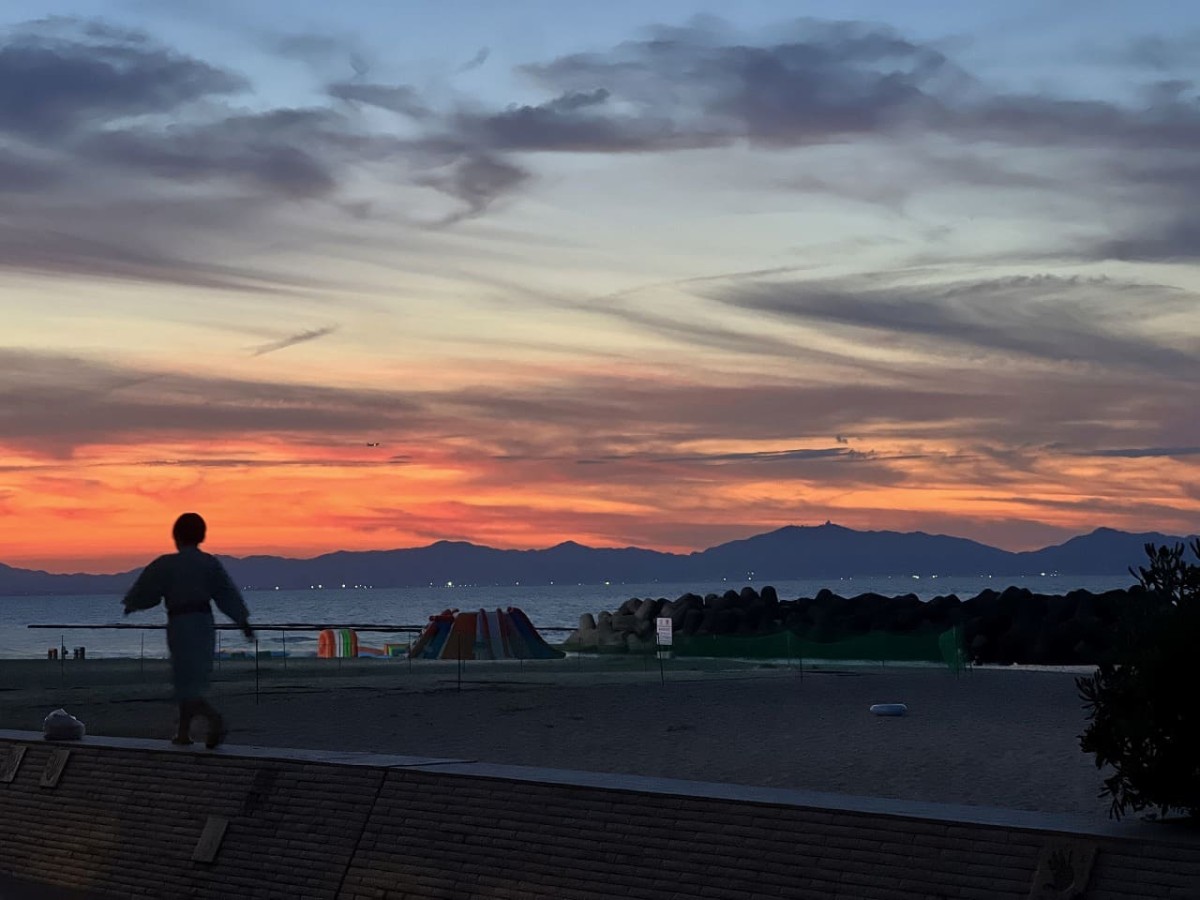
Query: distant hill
1104,551
792,552
833,551
33,581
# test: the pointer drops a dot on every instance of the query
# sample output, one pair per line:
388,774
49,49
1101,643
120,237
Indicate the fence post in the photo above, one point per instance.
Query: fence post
460,662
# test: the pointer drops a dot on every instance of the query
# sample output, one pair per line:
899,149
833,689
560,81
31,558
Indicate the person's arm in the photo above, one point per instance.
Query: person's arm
229,599
147,591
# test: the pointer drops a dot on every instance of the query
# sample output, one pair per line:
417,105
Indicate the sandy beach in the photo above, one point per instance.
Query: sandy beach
989,737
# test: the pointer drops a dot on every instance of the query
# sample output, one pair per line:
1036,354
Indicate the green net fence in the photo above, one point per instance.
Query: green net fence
878,646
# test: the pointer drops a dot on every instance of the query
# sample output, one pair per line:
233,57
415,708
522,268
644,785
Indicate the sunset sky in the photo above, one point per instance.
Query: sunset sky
364,275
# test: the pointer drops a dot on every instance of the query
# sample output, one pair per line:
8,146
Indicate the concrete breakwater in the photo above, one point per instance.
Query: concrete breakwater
1015,625
121,818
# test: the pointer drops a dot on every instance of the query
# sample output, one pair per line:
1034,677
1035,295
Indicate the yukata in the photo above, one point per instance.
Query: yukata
186,581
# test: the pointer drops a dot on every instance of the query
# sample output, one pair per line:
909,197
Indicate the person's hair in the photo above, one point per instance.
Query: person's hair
189,530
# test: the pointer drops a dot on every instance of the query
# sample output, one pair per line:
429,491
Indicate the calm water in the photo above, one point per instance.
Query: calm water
547,606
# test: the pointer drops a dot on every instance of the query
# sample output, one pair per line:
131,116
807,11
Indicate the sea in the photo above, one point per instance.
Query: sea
553,608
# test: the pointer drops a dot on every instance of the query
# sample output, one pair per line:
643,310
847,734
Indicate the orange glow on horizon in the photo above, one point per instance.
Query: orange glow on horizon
110,507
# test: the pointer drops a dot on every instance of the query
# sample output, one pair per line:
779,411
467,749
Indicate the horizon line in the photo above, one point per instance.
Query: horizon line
827,524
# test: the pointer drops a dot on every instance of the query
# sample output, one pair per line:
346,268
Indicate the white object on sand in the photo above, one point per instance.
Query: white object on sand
60,725
889,709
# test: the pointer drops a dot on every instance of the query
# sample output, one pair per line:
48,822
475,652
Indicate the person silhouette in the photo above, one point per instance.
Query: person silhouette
185,582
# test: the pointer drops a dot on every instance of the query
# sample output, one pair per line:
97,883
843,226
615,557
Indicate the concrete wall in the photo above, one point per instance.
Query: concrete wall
137,818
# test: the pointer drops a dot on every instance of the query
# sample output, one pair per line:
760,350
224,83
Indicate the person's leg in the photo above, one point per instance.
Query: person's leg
183,736
216,724
192,641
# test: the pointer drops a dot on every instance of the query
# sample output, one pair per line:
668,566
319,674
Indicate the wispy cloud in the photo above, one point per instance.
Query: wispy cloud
397,98
480,57
292,340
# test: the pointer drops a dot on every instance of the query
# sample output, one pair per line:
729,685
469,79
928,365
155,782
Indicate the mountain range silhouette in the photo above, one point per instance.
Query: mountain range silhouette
791,552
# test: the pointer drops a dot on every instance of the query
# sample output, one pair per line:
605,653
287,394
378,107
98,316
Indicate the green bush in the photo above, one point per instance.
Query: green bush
1143,709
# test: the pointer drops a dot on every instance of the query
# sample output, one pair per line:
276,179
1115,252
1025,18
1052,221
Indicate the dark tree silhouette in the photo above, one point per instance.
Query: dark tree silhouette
1143,709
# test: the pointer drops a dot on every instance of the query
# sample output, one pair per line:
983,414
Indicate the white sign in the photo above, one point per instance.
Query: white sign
664,631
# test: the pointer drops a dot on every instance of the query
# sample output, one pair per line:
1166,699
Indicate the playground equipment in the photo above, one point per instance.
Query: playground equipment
486,634
339,643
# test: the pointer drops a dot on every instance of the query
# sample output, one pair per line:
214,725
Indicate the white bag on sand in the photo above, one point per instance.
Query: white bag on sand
60,725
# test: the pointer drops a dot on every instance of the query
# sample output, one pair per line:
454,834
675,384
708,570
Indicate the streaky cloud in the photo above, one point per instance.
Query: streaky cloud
1145,452
1049,317
292,340
757,456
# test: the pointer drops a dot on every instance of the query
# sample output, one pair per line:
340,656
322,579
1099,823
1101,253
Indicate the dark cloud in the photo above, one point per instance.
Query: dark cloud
578,122
818,82
90,113
1157,192
268,151
100,117
701,85
294,339
63,76
1177,241
20,174
1034,120
1156,52
134,155
477,179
